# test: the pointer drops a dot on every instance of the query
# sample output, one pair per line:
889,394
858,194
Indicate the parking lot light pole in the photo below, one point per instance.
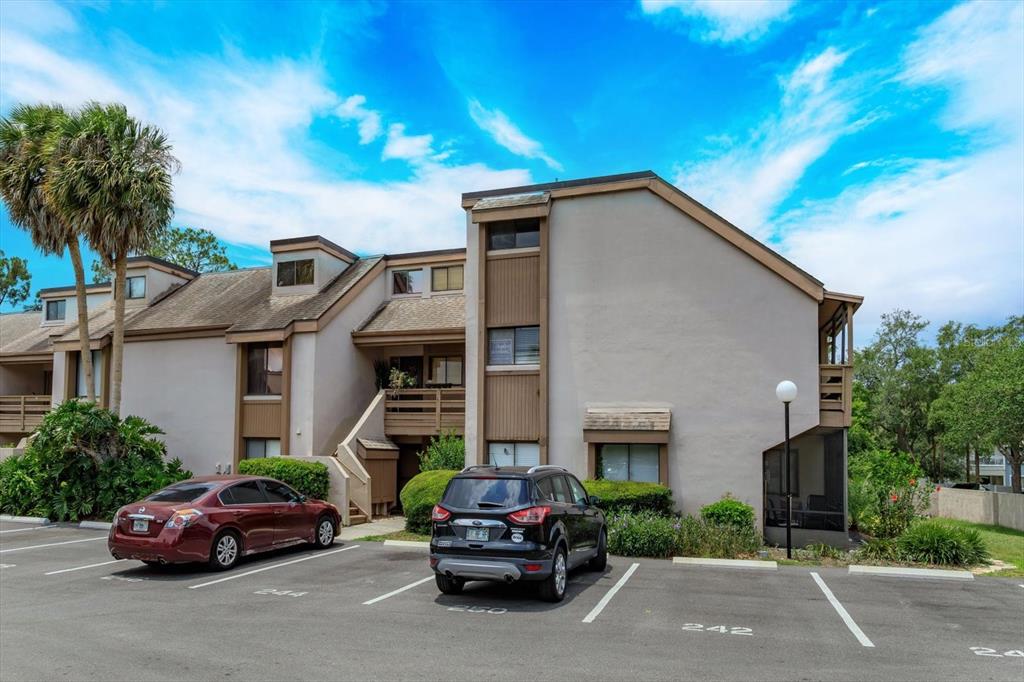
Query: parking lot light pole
786,392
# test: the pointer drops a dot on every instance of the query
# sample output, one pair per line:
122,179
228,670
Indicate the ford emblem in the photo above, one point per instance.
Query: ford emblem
478,523
142,509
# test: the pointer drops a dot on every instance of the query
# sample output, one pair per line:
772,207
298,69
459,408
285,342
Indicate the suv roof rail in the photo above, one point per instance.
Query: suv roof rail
471,467
541,467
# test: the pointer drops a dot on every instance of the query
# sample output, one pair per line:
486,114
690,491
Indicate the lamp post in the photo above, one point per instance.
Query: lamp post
786,392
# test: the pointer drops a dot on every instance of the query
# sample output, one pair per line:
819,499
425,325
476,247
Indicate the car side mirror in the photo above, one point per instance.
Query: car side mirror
595,500
302,499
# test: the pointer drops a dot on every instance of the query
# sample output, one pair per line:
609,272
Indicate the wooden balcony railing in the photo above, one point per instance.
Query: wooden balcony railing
424,411
22,413
836,395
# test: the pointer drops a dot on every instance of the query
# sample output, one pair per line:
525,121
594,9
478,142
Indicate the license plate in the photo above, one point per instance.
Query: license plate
477,534
140,525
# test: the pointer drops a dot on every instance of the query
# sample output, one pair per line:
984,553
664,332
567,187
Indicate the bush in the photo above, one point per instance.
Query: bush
309,478
935,542
641,534
703,538
631,496
446,451
728,511
86,462
879,549
884,493
420,495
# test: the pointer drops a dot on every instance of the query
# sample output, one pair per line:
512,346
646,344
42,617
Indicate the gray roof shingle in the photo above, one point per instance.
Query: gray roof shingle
419,314
627,419
22,333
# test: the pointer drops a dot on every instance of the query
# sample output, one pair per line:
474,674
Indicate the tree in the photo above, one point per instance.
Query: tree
29,138
193,248
15,280
114,179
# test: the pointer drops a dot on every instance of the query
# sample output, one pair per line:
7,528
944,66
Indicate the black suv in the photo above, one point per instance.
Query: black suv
514,523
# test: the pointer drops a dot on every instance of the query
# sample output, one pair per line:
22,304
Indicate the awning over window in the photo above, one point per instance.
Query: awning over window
651,422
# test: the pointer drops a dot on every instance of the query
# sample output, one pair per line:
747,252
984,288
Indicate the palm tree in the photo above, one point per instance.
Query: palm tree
114,179
27,139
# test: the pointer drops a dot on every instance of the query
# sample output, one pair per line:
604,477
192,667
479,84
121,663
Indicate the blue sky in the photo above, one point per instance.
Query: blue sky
879,145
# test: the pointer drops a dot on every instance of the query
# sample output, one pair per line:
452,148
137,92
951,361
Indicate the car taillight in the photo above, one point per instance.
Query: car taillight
183,518
440,513
531,516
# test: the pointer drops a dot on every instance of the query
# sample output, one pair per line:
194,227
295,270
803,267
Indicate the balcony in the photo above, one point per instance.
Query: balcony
424,411
22,413
835,395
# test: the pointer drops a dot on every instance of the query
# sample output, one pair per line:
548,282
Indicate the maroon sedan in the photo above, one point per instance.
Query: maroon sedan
218,519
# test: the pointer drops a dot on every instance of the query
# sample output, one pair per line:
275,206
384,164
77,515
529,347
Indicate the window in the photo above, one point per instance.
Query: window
555,489
262,447
446,370
135,287
295,272
406,282
55,310
182,492
578,493
265,364
279,492
514,454
97,375
483,493
630,462
446,278
513,346
248,492
513,234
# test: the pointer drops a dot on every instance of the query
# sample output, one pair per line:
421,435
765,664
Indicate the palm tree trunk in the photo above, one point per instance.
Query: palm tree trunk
117,349
83,319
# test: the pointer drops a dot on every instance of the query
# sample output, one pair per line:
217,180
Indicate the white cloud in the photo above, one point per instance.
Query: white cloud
723,21
352,109
241,131
39,17
749,177
496,124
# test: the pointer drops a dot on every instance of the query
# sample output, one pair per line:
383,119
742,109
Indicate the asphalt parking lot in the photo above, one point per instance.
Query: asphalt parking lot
368,611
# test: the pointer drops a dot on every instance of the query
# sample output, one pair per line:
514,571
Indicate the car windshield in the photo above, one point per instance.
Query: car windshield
182,492
487,493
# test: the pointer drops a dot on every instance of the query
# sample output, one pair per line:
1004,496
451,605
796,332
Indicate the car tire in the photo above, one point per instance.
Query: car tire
552,589
449,585
600,559
152,564
225,551
323,532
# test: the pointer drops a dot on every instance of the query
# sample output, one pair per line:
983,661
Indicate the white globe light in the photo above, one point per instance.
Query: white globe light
786,391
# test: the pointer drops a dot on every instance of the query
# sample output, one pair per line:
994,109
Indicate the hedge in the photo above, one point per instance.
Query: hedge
728,511
648,534
631,496
420,495
309,478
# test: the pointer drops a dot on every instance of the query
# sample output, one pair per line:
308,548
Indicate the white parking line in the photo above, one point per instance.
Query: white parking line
22,530
268,568
850,624
398,591
82,568
51,544
611,593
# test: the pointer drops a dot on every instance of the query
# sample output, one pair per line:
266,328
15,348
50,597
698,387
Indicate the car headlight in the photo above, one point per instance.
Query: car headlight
183,518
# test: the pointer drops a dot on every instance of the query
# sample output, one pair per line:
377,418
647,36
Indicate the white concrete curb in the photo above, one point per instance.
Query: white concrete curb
38,520
899,572
407,543
94,525
727,563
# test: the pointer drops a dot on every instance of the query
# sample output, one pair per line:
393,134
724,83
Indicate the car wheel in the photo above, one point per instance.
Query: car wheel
226,550
600,559
152,564
323,534
553,587
449,585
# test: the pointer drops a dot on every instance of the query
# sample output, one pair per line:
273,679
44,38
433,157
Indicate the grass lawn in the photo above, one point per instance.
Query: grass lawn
397,535
1004,544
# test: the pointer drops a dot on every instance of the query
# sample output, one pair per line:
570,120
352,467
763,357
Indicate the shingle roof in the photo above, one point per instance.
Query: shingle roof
511,200
377,444
419,314
627,419
22,333
563,184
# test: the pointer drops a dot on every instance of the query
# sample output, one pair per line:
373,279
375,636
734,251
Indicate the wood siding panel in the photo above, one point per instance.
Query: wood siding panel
513,291
513,407
261,419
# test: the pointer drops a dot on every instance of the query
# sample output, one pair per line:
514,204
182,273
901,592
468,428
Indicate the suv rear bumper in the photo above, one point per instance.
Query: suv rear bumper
479,568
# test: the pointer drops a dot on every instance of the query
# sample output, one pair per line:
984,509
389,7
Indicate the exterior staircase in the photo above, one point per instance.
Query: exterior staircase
355,516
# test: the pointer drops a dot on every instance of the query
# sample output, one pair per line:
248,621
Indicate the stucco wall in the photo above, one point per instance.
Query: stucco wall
187,388
302,386
471,288
647,307
979,506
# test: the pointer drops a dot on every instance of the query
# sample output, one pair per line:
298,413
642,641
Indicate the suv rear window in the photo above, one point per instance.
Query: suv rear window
487,493
187,492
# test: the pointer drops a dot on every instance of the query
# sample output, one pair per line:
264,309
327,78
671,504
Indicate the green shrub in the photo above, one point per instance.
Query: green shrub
86,462
446,451
879,549
631,496
728,511
643,533
885,495
935,542
309,478
420,495
703,538
820,550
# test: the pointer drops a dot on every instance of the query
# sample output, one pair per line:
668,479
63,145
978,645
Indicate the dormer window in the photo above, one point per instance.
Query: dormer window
55,310
135,287
295,272
407,282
